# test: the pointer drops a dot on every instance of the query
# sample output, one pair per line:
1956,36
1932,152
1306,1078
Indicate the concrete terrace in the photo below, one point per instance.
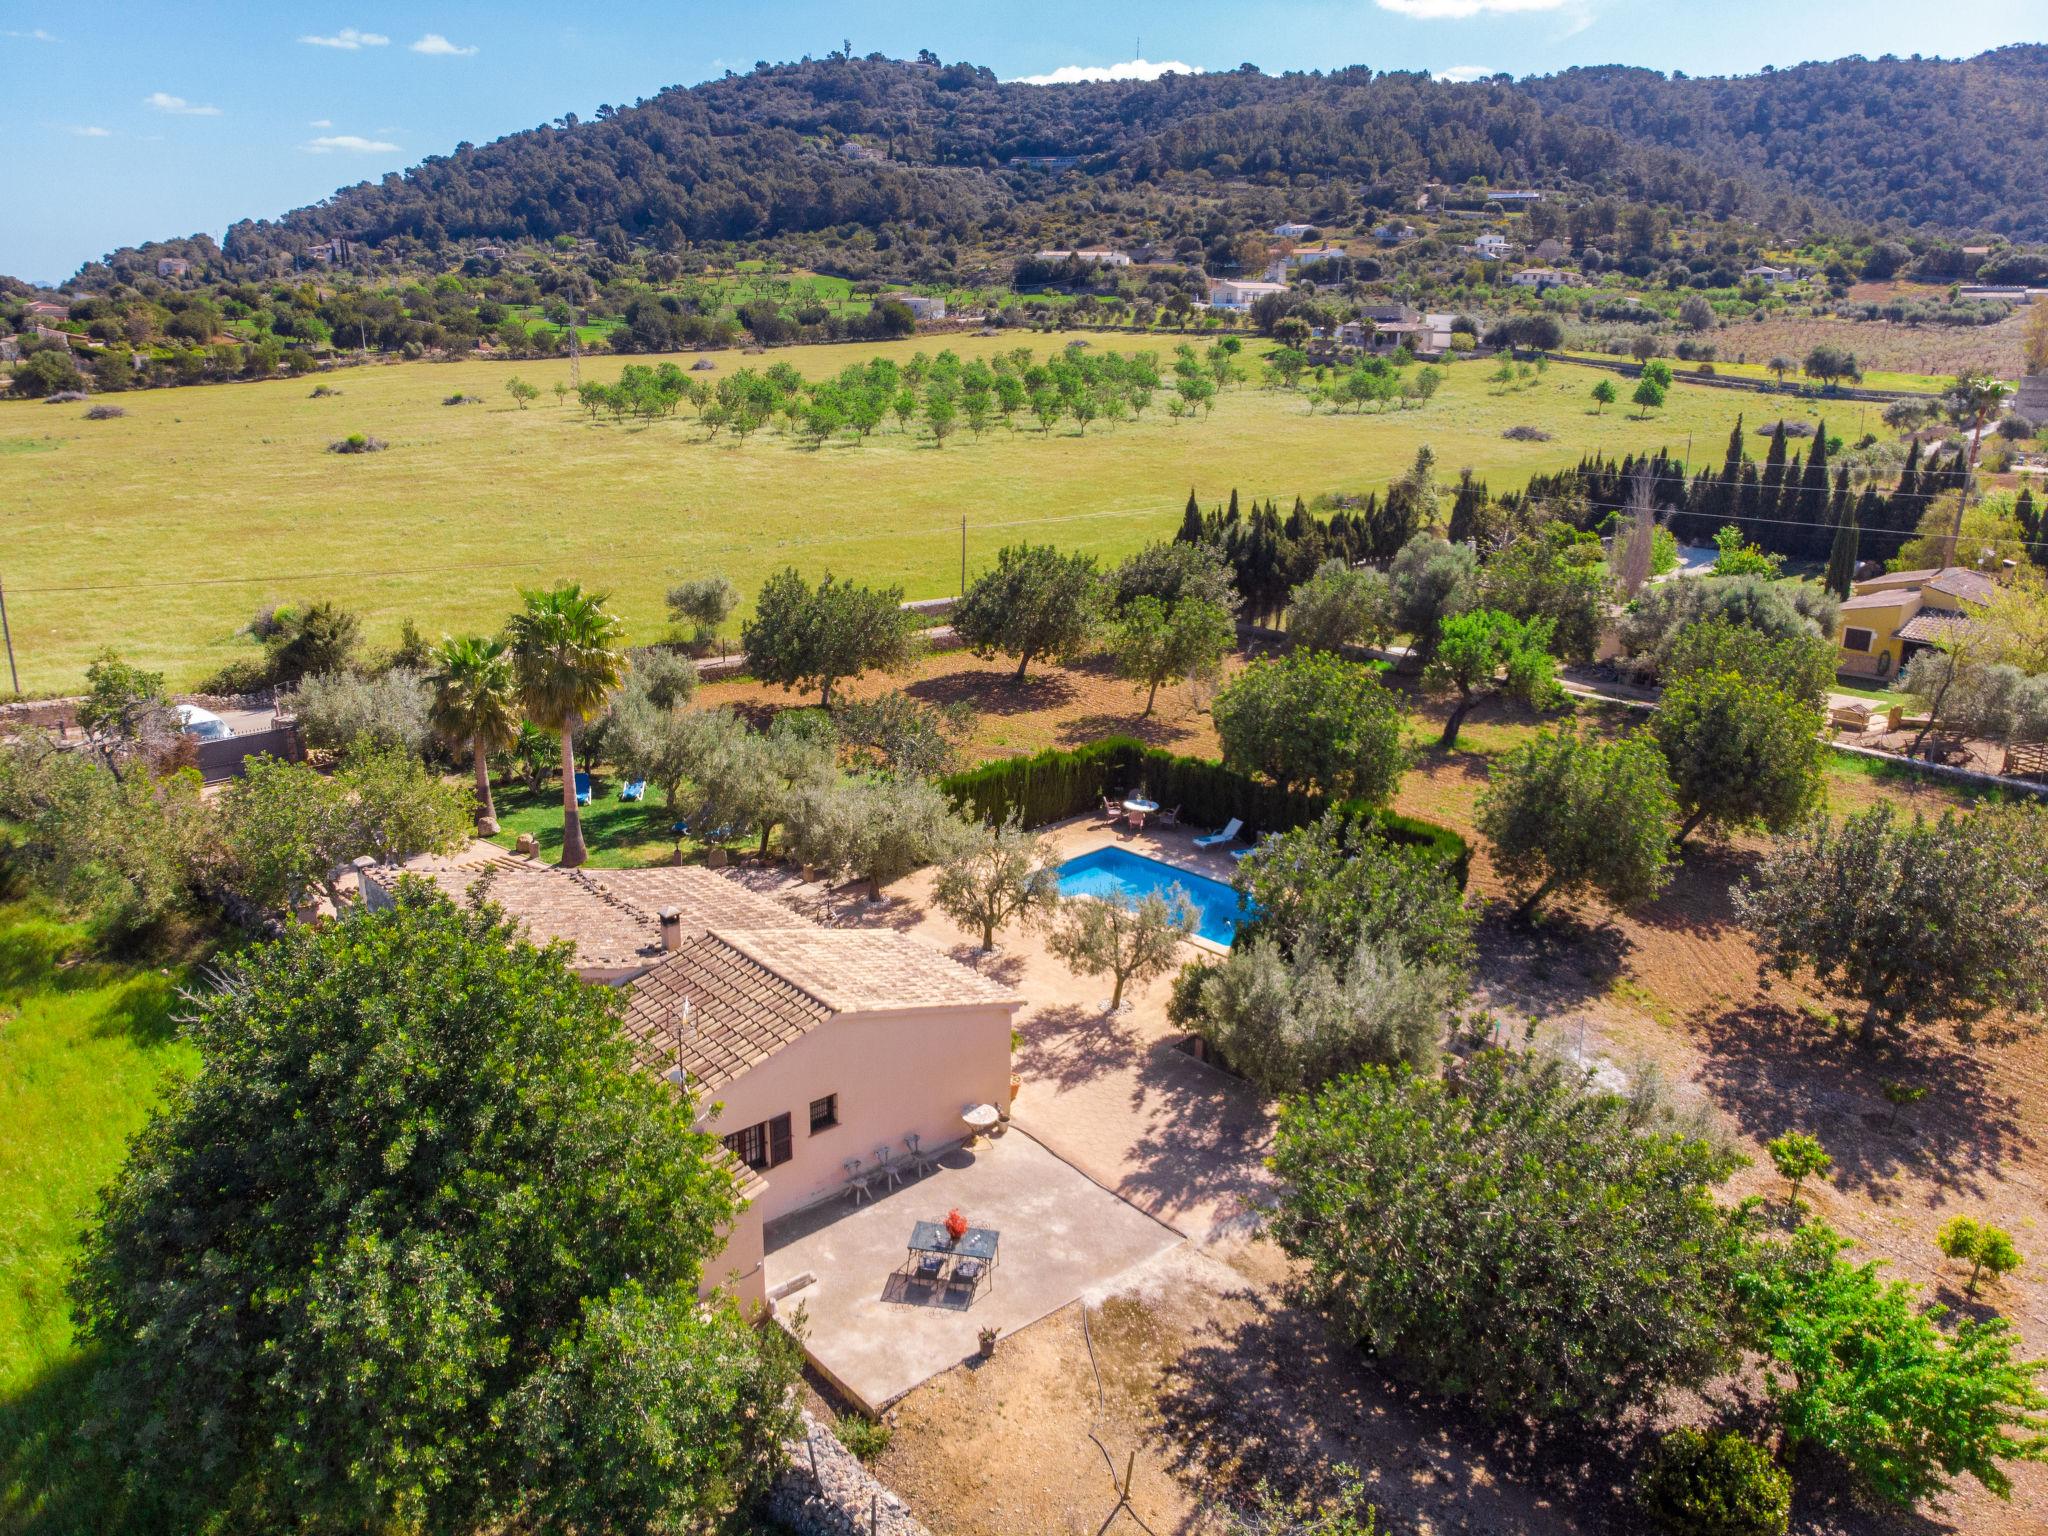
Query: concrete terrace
876,1335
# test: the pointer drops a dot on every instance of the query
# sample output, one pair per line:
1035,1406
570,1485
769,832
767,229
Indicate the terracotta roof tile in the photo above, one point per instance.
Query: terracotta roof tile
1934,624
611,916
1971,586
750,994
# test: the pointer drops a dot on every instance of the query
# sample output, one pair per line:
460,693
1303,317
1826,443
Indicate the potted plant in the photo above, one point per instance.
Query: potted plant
956,1224
988,1343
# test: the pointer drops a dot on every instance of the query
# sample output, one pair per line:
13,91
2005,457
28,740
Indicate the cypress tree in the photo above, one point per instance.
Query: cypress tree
1191,531
1813,499
1842,557
1768,490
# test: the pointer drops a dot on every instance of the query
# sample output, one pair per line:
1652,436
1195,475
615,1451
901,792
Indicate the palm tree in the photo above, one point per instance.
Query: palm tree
475,704
567,656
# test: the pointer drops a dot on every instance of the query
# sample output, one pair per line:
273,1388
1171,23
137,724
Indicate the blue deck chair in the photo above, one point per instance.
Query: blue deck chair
583,789
636,790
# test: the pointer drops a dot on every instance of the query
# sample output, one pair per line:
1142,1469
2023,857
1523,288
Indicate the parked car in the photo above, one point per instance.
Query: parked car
203,723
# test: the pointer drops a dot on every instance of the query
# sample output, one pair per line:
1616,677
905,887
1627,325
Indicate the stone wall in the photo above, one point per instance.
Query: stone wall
841,1498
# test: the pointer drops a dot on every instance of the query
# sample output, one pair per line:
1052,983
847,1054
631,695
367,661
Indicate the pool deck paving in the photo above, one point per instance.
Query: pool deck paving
1115,1096
877,1334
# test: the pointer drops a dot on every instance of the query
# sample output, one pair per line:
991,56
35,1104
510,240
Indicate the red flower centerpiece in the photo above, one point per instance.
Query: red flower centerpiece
956,1224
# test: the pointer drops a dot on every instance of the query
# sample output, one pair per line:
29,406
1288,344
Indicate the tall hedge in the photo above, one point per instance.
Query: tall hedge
1053,785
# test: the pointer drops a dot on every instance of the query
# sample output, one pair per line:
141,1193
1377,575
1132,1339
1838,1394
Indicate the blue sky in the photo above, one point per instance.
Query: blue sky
128,122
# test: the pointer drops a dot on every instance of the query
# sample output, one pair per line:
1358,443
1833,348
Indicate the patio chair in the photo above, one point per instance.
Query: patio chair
636,789
1112,811
913,1148
1170,818
930,1269
582,788
885,1169
966,1275
1227,834
856,1181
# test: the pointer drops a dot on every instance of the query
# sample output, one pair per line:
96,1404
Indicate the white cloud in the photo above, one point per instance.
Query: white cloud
92,131
32,35
348,39
178,106
435,43
348,144
1130,69
1459,73
321,122
1458,10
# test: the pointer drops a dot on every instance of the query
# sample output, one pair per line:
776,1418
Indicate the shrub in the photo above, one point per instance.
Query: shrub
337,709
1526,435
1312,721
104,413
1054,784
1514,1237
1696,1484
323,392
357,442
867,1438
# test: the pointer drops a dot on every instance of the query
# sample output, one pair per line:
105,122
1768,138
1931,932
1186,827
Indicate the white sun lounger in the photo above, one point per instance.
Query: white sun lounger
1236,826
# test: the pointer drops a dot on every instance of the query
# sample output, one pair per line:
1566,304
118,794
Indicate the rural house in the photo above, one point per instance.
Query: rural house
923,305
1291,231
172,266
1239,293
804,1046
1491,247
1539,278
1772,276
1889,619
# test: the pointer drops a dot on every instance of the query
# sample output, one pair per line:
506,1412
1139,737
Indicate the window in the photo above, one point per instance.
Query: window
1857,639
762,1146
824,1113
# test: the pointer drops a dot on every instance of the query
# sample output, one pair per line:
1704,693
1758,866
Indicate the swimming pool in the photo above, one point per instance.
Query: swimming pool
1121,875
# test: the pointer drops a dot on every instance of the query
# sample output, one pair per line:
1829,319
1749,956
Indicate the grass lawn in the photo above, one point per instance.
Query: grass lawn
619,834
85,1048
162,531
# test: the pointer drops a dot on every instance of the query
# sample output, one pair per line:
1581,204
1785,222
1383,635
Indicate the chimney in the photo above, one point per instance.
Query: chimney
671,929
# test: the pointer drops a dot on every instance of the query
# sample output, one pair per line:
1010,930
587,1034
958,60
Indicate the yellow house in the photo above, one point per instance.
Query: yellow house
1888,618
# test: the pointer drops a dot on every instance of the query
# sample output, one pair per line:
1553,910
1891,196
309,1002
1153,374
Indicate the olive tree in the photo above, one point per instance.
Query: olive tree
1002,875
1567,813
1430,579
1338,606
1129,940
419,1247
1920,920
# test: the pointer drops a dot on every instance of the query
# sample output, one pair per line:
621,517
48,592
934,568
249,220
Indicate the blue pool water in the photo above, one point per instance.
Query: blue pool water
1120,875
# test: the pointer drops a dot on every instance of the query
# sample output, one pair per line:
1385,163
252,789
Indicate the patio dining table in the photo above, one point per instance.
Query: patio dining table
983,1243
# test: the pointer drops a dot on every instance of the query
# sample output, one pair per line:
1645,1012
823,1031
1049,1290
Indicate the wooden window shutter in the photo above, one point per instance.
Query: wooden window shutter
779,1149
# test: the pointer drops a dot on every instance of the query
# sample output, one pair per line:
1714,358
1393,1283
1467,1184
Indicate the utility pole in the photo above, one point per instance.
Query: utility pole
963,558
9,634
575,353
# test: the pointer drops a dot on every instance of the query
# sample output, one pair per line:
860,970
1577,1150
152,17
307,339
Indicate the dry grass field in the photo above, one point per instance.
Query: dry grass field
162,531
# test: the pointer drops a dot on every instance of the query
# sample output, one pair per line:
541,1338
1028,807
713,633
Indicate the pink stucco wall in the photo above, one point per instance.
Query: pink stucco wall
893,1072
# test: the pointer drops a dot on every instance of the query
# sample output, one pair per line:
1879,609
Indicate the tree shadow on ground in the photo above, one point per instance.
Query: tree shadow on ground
1557,964
1006,968
1074,1043
1153,730
1775,1070
1700,900
1204,1141
1278,1396
996,691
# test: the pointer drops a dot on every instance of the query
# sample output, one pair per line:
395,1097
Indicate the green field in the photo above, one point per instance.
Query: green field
162,531
84,1050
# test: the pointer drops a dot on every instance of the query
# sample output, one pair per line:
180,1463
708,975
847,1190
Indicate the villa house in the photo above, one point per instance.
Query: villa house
1891,618
1773,277
1540,278
1491,247
1305,256
1291,231
172,266
923,305
1092,256
1239,293
803,1047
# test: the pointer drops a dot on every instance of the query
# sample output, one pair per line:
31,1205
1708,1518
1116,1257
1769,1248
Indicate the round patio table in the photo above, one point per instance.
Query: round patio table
1140,806
979,1118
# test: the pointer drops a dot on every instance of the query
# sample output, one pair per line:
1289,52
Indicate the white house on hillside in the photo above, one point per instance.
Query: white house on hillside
1239,293
1773,276
1291,231
922,305
1491,247
1539,278
1094,256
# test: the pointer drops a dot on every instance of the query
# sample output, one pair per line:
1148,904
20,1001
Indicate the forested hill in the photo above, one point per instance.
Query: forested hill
941,151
